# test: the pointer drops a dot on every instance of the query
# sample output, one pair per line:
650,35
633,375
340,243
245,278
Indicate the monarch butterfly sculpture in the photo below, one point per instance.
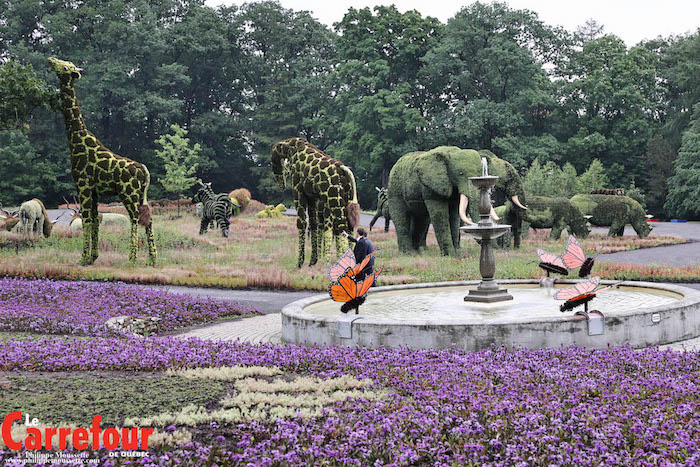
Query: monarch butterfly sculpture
345,288
574,257
580,294
550,263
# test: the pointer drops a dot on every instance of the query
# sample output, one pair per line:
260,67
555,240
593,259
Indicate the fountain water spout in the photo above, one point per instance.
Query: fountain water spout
486,232
484,167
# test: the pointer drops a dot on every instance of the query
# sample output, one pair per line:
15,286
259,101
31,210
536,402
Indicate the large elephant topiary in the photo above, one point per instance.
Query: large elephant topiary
549,213
434,187
613,211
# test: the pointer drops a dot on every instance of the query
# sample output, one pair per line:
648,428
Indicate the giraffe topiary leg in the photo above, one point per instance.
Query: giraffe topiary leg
86,203
301,229
152,254
133,242
327,240
95,232
341,244
314,218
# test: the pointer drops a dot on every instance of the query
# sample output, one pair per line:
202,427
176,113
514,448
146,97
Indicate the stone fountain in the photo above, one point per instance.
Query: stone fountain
485,232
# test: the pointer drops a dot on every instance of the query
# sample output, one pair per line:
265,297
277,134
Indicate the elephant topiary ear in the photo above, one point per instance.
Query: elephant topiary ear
433,173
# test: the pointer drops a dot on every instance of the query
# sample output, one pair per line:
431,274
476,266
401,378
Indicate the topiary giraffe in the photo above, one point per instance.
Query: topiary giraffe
98,171
323,186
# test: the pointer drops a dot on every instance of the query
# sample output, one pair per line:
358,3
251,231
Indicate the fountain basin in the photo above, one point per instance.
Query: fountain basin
486,232
422,316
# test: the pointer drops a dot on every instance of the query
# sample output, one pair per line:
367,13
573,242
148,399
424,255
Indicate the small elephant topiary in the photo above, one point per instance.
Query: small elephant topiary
549,213
613,211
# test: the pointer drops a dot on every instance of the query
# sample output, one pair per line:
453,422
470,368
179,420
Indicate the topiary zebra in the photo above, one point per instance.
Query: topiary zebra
215,207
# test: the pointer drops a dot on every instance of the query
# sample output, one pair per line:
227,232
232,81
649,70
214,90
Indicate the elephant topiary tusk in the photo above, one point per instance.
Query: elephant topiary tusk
517,202
463,204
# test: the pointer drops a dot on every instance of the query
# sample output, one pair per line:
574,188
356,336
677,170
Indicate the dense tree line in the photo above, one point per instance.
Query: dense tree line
377,85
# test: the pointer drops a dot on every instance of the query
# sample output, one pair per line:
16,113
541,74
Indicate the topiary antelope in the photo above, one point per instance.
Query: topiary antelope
98,171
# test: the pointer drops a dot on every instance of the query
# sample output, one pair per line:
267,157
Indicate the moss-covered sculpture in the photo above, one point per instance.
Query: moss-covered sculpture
382,209
216,207
98,171
434,187
272,211
550,213
325,188
614,211
33,219
240,197
608,191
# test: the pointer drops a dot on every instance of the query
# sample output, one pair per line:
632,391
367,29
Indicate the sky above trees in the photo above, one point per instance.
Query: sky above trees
631,20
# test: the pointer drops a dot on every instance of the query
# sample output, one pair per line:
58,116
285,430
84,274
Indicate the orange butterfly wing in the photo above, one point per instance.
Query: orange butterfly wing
574,256
357,269
344,290
579,289
363,287
338,269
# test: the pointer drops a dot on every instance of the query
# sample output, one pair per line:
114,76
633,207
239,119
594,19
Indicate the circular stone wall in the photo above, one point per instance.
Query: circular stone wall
673,316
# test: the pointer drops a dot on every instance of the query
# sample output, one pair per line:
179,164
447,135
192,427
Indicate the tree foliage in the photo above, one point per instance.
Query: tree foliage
378,84
180,161
684,187
21,92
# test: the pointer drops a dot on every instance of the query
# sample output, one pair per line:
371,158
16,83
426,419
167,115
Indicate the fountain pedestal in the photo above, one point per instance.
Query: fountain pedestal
485,232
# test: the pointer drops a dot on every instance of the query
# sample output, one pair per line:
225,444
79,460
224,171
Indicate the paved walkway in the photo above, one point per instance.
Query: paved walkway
256,329
686,255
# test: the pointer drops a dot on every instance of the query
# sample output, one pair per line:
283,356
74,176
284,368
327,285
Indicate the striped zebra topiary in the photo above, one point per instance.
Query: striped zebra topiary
215,207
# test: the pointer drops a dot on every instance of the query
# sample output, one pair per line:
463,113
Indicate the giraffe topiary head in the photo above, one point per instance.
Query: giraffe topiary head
65,70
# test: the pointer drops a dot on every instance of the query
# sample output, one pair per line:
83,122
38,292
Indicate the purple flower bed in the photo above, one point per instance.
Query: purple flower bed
66,307
568,406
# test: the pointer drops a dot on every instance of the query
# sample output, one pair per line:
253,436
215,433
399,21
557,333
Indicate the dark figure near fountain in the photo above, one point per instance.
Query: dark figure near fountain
363,248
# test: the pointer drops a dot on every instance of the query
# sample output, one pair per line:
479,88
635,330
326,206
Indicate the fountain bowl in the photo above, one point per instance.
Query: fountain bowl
434,316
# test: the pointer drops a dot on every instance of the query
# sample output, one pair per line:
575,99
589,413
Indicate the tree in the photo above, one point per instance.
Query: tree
21,92
550,180
589,30
488,87
283,59
593,178
608,103
684,187
179,160
382,102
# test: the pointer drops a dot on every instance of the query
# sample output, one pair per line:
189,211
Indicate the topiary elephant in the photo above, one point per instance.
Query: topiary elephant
434,187
382,209
549,213
614,211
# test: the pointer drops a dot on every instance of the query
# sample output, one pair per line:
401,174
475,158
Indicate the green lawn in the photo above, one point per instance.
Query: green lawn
263,252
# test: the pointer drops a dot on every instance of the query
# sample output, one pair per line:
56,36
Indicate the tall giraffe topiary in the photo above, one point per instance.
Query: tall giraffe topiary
98,171
325,188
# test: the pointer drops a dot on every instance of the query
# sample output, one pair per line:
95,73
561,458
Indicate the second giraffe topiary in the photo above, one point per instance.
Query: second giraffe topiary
324,193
